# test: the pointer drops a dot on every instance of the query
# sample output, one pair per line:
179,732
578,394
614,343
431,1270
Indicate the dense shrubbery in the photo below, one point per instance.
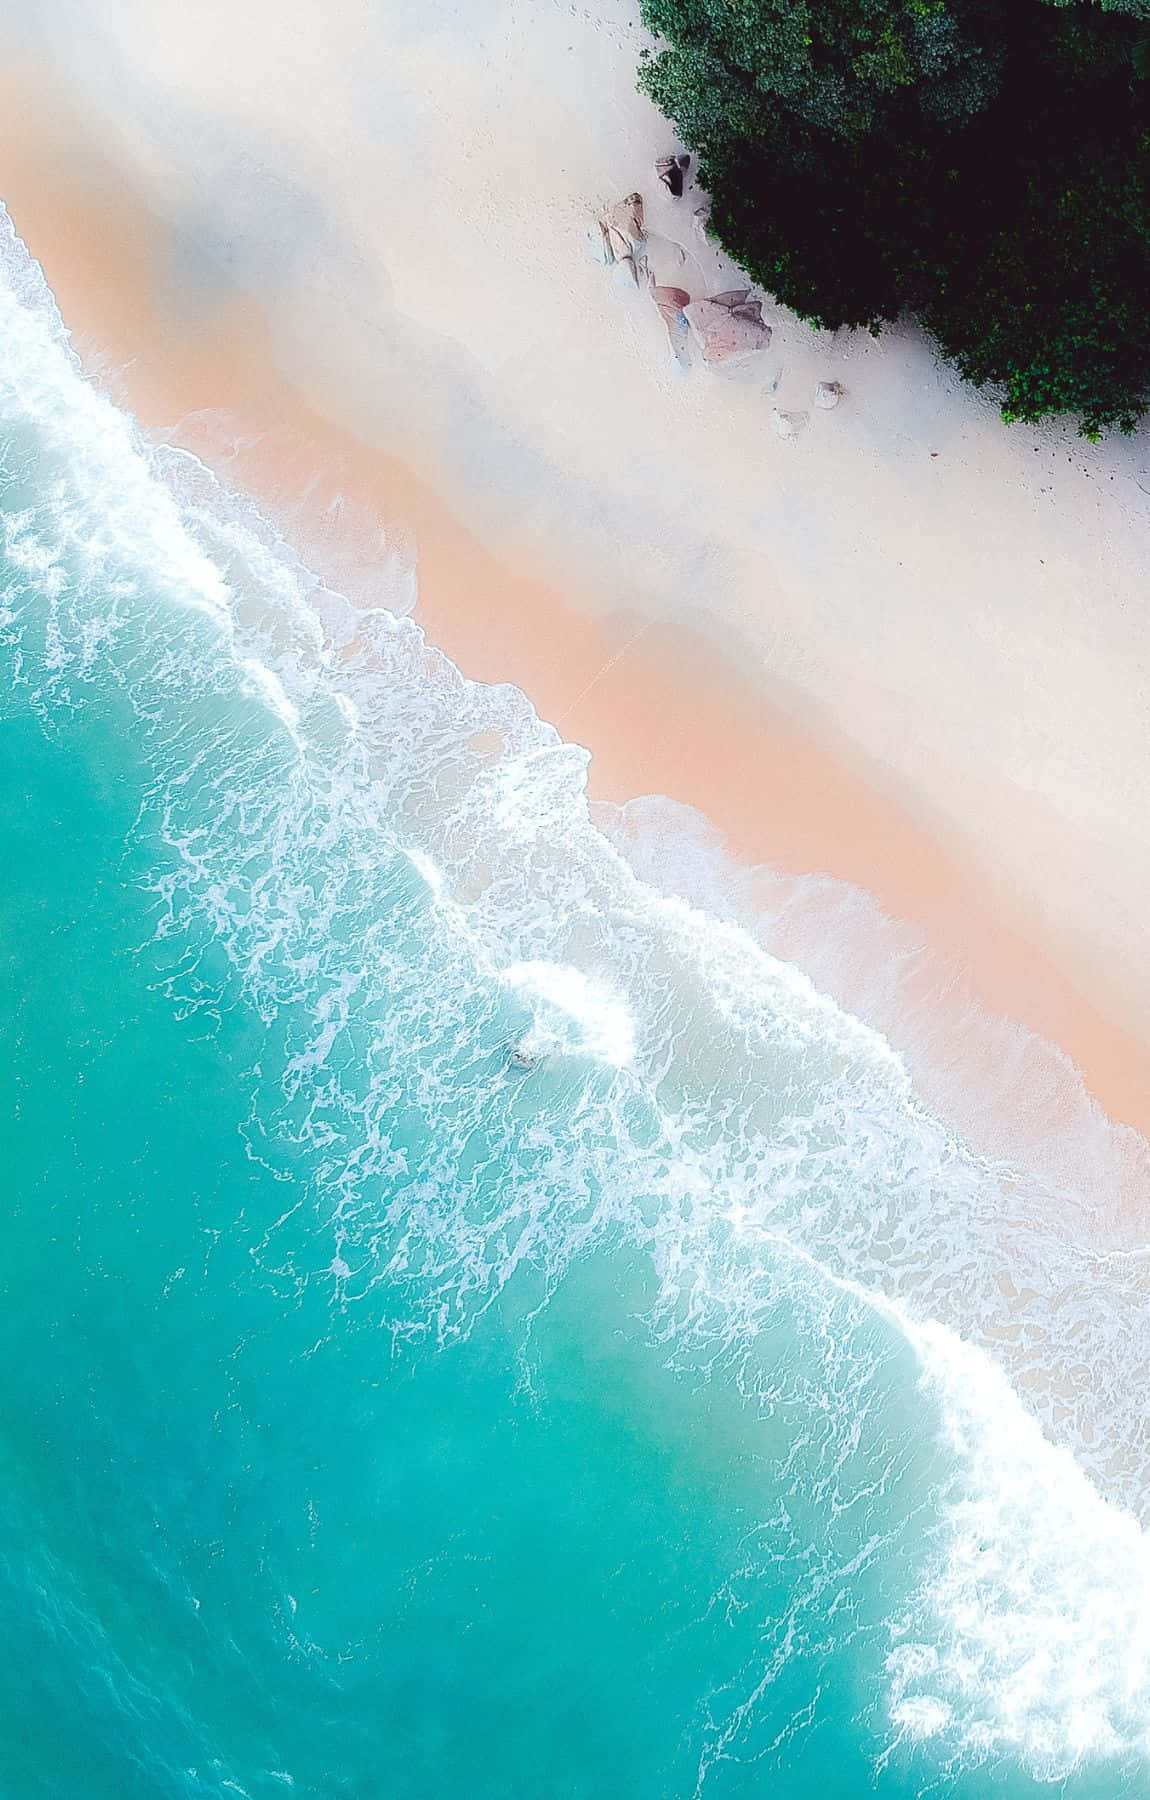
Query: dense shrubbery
983,164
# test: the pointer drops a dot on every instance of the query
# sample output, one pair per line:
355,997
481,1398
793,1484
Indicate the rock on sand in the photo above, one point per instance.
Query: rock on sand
724,332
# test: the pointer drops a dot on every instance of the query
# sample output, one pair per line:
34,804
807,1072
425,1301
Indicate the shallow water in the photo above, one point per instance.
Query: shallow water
476,1324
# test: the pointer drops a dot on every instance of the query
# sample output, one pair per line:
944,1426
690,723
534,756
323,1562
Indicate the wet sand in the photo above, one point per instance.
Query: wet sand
661,707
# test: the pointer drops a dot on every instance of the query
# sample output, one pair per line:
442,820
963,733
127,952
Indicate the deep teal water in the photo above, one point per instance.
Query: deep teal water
378,1418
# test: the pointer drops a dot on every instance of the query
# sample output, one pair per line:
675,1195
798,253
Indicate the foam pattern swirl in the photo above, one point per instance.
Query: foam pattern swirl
383,855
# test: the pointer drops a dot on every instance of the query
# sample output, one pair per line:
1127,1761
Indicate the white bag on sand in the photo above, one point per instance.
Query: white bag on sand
787,425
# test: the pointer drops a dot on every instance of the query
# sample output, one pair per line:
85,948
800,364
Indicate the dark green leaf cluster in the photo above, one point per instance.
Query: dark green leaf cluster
982,164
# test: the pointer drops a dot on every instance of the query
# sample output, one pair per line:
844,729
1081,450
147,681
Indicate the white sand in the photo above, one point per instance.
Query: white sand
407,187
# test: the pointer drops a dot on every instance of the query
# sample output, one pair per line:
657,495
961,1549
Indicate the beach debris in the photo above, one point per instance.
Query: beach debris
699,220
787,425
828,394
671,170
523,1060
725,333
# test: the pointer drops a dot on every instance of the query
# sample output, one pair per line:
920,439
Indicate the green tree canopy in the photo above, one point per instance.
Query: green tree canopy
983,164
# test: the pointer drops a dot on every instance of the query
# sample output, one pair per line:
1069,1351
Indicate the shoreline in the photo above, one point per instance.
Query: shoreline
663,709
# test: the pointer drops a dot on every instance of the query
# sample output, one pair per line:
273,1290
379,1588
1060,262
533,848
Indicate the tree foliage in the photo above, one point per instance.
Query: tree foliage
983,164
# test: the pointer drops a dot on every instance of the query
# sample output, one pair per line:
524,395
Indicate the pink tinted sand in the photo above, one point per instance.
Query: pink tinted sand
662,710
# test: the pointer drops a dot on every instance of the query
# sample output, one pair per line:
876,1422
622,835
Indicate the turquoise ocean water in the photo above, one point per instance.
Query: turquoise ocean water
383,1418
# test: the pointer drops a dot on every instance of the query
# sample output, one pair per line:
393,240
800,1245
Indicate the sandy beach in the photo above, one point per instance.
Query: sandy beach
598,1249
904,652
